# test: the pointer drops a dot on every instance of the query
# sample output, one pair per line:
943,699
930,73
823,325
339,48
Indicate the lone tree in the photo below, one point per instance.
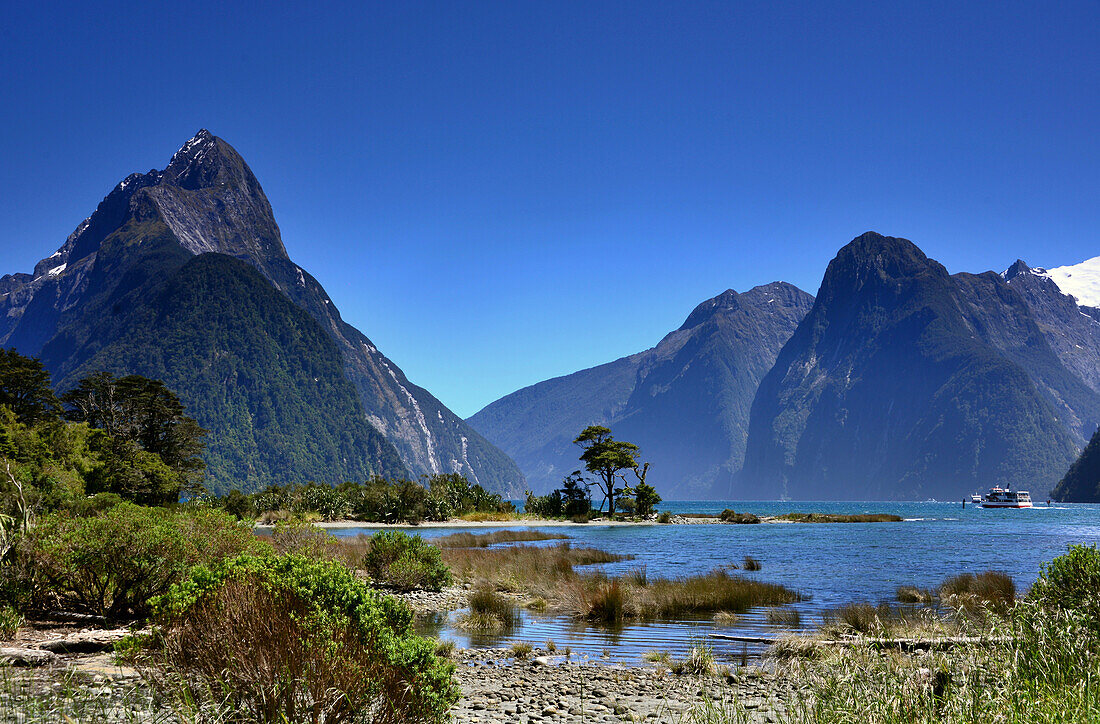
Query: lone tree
606,458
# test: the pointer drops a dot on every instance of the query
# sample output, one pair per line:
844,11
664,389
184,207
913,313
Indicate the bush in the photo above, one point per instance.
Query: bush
112,563
405,562
664,517
1070,583
292,639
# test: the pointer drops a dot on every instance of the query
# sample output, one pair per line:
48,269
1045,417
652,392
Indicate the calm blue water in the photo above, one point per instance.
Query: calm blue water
833,564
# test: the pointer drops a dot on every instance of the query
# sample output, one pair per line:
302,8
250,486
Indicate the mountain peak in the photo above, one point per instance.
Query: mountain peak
207,161
1018,268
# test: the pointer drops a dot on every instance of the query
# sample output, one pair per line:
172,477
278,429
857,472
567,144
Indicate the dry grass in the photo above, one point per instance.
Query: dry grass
912,594
751,564
530,569
837,518
489,612
783,617
484,540
994,589
595,598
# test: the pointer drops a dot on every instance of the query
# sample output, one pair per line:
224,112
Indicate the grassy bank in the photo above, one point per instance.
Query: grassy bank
839,518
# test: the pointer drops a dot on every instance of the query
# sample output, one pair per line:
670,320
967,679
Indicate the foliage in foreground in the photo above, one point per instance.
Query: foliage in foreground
294,639
110,563
1040,661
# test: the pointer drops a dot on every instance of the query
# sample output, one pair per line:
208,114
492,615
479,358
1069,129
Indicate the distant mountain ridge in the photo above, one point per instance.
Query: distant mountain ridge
207,201
906,382
685,401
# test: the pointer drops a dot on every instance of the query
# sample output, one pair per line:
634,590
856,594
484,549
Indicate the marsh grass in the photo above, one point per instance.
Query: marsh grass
596,598
750,564
489,612
788,617
914,595
532,569
521,650
837,518
484,540
991,588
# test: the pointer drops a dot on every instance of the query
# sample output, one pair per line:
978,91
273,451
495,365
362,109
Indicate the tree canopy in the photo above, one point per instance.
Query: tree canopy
606,458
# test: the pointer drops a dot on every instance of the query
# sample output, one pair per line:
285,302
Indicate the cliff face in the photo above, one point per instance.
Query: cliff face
905,382
208,201
685,402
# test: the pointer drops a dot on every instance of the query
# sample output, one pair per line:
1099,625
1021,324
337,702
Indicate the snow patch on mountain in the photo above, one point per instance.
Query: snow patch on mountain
1080,281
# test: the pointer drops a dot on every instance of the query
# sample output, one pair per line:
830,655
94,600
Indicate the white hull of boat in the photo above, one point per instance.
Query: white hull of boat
1007,505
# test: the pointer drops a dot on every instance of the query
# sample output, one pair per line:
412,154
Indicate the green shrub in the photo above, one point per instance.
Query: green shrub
1070,582
405,562
664,517
294,639
110,564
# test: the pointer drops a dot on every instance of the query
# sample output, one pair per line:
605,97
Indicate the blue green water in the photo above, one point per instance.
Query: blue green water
832,563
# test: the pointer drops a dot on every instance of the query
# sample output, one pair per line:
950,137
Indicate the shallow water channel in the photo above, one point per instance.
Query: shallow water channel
830,563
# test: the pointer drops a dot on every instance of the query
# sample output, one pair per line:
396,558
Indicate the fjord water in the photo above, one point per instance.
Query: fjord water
832,563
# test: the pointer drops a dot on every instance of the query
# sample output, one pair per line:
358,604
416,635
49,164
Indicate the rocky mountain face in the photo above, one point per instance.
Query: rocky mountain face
685,402
1073,330
904,382
1081,483
207,201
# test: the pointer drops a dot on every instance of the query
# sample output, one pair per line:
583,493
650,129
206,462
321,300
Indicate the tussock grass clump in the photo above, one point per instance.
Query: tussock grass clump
489,612
484,540
838,518
994,589
751,564
725,618
783,617
637,577
861,617
699,661
606,603
521,650
912,594
731,516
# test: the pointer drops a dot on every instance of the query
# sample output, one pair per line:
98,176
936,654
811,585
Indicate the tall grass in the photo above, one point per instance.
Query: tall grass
484,540
529,569
592,597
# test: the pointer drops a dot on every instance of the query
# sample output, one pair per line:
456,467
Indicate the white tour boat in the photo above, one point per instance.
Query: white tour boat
999,497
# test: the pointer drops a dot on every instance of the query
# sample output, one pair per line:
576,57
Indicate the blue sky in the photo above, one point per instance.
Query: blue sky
497,193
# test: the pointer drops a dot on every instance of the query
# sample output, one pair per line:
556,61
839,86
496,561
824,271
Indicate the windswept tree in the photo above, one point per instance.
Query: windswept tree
606,458
25,388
